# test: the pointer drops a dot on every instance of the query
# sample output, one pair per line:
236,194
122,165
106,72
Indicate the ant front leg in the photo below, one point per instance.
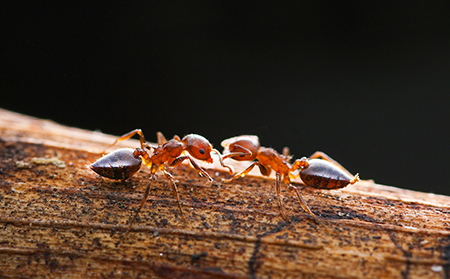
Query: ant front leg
180,159
221,161
129,135
221,157
244,153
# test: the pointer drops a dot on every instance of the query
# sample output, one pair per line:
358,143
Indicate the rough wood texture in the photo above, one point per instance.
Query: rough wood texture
58,219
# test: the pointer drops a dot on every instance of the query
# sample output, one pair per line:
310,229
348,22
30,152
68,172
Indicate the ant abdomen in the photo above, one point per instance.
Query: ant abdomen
121,164
322,174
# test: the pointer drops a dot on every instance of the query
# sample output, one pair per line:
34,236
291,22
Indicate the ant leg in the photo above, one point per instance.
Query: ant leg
221,161
286,151
129,135
221,157
180,159
242,173
278,188
323,156
246,152
199,169
144,199
287,154
175,191
161,138
306,207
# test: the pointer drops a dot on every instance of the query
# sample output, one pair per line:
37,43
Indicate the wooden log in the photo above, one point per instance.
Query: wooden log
59,219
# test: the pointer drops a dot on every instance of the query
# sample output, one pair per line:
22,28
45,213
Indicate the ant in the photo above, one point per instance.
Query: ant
125,162
318,171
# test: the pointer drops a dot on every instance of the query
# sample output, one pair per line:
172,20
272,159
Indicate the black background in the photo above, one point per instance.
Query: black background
364,81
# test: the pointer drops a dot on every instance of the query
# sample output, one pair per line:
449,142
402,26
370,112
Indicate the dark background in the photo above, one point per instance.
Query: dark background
364,81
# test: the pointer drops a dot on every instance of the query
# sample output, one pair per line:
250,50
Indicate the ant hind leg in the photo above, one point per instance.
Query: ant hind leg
242,173
144,199
306,207
129,135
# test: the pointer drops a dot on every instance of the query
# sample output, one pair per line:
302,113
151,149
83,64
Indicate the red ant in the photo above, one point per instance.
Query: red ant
317,171
125,162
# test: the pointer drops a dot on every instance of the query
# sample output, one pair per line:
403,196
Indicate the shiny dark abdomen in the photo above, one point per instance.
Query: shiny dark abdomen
120,164
322,174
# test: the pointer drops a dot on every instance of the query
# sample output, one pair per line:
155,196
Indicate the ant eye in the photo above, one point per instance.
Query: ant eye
202,151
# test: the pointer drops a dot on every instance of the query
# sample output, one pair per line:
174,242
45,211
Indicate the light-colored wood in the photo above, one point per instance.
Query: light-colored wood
58,219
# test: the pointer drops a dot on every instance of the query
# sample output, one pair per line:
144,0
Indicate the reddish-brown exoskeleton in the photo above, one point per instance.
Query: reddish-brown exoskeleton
125,162
323,173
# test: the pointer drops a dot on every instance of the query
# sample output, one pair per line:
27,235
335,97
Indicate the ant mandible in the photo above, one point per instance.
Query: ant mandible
317,171
125,162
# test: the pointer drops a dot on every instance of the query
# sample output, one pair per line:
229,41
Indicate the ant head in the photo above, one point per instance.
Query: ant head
242,144
199,147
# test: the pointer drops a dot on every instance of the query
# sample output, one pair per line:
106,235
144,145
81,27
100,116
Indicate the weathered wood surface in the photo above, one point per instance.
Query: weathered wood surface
58,219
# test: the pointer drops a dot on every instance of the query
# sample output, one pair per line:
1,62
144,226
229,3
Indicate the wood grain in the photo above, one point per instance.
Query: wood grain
58,219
